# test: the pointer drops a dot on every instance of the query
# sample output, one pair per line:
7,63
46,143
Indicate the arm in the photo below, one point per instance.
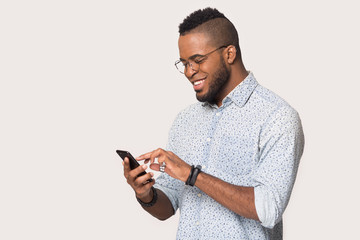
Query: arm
239,199
162,209
281,146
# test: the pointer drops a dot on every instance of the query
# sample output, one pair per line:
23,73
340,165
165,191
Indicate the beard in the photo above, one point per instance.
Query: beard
221,77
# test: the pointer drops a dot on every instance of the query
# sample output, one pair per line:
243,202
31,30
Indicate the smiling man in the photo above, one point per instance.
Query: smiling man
232,158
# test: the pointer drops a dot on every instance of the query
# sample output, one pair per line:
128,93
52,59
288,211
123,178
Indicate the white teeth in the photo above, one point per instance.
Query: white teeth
198,82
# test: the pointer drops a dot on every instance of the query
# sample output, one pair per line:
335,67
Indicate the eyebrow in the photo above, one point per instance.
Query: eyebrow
192,57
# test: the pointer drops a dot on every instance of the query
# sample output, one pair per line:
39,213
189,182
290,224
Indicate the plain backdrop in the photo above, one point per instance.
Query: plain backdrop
80,79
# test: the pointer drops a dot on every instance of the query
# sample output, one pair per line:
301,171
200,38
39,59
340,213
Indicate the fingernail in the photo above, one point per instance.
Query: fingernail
152,174
144,167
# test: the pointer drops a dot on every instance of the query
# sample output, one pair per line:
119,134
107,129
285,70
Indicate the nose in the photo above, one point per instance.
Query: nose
189,71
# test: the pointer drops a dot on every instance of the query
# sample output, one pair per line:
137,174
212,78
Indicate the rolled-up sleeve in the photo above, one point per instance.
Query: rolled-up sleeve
171,187
280,149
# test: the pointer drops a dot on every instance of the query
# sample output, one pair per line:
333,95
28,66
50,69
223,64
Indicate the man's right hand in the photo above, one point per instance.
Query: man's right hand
140,184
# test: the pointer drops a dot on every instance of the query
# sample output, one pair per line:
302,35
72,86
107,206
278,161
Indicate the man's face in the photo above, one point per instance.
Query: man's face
212,75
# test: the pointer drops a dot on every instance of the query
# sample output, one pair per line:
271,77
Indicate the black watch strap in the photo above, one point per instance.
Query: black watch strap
193,175
153,201
189,178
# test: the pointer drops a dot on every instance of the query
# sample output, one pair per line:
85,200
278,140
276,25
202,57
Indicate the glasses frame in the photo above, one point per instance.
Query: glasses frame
190,62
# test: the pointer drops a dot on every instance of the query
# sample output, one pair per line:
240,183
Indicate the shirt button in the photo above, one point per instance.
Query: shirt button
218,114
197,223
208,139
199,194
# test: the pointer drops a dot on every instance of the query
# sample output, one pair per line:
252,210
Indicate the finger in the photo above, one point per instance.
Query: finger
156,154
144,179
155,166
126,165
162,159
135,172
144,156
144,188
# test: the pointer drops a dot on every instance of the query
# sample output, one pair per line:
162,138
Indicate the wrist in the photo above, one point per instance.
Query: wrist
151,202
193,175
186,174
146,198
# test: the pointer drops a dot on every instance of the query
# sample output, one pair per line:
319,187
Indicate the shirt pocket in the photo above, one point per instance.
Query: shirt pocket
235,159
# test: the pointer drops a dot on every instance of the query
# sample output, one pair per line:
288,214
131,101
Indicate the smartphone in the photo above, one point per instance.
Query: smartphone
133,163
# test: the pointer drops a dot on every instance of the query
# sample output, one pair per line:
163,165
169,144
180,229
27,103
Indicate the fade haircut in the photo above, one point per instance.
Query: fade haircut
215,25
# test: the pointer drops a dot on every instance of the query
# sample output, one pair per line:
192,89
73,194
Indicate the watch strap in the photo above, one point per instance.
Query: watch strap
193,175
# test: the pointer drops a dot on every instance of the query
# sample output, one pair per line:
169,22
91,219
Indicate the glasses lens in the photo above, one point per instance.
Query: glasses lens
180,66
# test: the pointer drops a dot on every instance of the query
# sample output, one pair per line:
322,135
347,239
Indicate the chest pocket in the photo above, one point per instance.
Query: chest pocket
234,157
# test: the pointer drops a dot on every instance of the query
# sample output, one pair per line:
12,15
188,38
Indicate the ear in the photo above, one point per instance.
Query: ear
230,54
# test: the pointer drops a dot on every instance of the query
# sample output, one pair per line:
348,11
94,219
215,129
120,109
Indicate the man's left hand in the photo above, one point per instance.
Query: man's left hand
175,167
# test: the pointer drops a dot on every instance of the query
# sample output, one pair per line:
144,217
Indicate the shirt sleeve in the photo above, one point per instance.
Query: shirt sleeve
281,146
171,187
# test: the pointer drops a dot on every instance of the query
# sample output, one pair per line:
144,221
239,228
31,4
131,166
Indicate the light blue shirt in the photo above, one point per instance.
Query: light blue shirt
254,139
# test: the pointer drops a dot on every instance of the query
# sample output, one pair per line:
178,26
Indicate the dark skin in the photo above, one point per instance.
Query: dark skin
240,200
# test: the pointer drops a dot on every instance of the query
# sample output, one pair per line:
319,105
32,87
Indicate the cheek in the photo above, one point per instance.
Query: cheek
207,71
210,66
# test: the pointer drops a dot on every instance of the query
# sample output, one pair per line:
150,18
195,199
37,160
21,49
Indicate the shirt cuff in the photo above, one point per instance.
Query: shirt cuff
265,207
170,194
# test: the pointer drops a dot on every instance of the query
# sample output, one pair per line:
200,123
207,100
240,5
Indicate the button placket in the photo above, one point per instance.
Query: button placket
209,141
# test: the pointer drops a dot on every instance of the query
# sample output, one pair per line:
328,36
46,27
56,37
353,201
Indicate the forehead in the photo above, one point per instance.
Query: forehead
193,43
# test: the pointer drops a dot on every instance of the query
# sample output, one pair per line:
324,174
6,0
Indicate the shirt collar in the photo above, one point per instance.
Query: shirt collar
240,94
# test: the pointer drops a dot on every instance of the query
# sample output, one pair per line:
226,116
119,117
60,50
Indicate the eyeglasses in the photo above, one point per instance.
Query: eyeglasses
193,61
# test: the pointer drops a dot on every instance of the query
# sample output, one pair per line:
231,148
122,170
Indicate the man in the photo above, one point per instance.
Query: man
232,157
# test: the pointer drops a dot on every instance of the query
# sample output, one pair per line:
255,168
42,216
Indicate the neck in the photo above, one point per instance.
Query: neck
238,73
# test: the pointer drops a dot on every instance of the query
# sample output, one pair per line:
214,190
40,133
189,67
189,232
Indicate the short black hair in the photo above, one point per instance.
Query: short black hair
210,21
199,17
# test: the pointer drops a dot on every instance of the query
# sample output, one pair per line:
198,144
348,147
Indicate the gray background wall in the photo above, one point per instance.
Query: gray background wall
80,79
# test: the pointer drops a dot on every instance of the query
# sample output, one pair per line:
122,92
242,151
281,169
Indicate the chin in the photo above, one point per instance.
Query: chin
200,95
203,97
214,85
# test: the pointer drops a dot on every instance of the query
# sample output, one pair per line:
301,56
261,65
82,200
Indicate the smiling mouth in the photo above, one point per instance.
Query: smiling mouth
198,85
198,82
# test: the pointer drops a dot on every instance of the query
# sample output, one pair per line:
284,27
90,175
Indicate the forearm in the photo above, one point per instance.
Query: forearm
238,199
162,209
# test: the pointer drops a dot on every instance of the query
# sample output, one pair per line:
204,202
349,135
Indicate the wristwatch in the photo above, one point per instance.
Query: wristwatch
194,172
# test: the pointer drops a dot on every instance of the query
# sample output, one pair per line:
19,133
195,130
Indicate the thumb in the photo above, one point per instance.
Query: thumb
155,166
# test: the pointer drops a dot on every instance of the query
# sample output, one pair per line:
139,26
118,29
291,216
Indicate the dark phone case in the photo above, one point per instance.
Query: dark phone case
133,163
123,154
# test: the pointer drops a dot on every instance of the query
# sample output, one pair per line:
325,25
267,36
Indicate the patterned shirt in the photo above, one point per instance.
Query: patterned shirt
254,139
